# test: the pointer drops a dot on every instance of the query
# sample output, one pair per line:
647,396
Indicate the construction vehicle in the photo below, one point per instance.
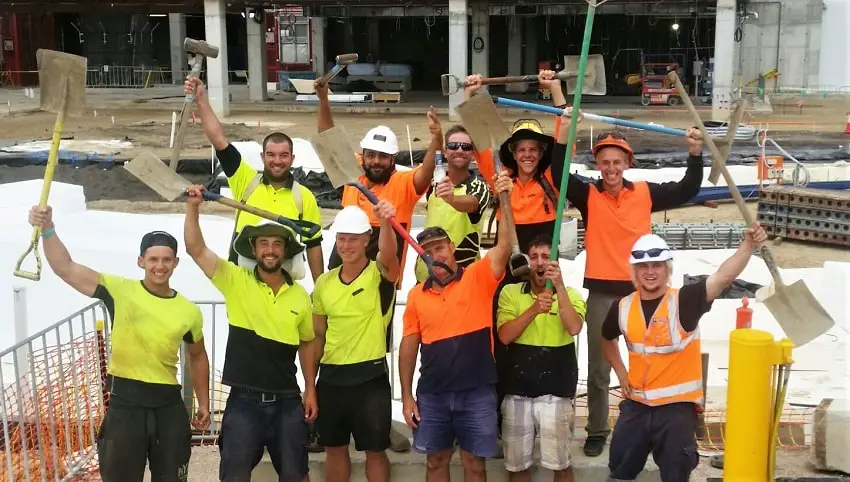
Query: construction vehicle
656,88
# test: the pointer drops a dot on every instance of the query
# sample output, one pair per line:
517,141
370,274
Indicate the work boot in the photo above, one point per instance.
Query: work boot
594,445
398,441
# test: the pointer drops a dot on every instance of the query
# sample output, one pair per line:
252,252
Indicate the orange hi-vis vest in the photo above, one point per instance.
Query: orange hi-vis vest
613,226
665,364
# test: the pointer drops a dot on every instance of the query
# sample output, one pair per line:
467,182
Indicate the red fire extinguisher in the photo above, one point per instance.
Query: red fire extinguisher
744,318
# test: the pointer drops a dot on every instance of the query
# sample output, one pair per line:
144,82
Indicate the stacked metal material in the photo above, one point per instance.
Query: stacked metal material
691,236
806,214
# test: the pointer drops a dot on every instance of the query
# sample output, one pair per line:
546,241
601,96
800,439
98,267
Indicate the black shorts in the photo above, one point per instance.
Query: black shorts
132,437
364,411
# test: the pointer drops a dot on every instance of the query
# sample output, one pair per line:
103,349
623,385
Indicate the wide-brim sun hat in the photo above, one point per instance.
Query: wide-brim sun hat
527,130
650,248
243,244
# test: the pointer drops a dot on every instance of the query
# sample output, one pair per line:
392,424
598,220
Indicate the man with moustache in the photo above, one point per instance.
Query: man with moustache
146,423
541,372
274,189
270,318
379,148
662,387
457,202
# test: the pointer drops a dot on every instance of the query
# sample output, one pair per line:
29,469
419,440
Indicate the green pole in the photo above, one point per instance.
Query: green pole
562,192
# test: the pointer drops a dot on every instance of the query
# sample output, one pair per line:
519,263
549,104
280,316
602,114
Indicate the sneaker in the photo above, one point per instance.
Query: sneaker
594,445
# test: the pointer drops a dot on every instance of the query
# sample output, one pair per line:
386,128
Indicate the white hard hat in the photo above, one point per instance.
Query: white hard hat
650,248
381,139
351,220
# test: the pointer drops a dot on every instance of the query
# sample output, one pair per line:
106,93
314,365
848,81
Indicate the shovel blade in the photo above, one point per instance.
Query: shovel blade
61,74
155,174
797,311
483,122
519,265
337,156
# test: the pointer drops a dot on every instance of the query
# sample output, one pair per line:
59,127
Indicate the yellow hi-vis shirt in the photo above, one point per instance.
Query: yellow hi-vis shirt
358,315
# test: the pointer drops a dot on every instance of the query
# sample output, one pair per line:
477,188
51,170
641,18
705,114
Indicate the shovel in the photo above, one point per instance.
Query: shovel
62,78
156,175
342,169
795,308
487,130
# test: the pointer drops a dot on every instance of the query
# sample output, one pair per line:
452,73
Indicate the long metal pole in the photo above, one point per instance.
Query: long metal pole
562,192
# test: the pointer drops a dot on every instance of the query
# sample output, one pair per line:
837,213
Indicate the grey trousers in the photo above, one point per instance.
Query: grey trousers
598,369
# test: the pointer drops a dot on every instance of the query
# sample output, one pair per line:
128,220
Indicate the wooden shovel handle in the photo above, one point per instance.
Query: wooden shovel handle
515,79
719,161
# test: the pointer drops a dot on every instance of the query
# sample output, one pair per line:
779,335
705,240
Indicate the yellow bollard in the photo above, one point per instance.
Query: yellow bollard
749,400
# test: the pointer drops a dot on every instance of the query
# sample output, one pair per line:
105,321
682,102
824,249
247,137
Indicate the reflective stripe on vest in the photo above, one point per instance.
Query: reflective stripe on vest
665,364
613,226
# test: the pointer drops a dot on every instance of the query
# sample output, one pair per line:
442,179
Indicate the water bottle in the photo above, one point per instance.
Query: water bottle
439,170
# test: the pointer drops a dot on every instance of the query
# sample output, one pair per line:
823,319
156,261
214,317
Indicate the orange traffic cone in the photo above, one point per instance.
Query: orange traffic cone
847,124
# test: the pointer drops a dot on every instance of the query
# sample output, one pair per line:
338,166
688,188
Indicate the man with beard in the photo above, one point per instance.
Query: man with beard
458,201
274,189
270,318
542,370
401,189
449,317
146,423
616,212
351,312
662,387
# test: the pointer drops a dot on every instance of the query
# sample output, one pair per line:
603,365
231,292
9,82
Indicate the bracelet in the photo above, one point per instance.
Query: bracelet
48,233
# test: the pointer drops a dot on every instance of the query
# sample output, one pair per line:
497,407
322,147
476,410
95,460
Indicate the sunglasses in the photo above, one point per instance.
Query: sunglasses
612,135
453,146
653,253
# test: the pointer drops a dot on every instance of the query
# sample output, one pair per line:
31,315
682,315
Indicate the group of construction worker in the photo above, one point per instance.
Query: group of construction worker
497,352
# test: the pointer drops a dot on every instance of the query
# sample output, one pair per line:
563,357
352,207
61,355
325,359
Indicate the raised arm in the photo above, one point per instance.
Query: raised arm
205,258
671,195
732,267
387,242
425,174
81,278
326,120
577,190
501,252
209,122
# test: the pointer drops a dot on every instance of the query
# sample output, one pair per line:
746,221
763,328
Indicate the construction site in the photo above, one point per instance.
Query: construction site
784,61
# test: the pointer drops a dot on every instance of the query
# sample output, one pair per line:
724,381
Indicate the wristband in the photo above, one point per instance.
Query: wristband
48,233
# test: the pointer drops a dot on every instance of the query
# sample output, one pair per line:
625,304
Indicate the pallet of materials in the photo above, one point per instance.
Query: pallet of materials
806,214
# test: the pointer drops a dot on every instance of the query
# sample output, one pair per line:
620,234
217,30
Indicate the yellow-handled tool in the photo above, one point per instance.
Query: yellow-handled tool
62,86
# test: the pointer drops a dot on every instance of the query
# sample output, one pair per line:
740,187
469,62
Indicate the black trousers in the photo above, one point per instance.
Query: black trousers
668,432
131,437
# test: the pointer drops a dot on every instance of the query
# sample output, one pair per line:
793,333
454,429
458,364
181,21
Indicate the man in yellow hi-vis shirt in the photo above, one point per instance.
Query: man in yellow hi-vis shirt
352,307
274,189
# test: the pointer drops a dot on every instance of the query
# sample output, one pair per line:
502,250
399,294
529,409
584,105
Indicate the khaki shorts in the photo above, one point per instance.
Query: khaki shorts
549,417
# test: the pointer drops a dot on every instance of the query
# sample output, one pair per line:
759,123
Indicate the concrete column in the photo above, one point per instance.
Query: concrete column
481,28
177,33
458,49
724,59
217,79
320,61
834,65
529,48
257,85
515,53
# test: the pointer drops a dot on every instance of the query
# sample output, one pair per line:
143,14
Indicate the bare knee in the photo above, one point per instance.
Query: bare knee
376,457
471,463
336,452
439,460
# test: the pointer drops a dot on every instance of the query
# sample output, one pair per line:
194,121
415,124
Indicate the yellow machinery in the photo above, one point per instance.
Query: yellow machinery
759,368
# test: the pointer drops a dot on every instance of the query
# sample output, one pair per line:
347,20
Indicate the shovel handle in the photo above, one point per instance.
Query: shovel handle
507,210
395,224
302,228
52,160
720,163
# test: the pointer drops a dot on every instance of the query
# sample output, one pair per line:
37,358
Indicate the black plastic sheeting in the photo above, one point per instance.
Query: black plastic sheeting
737,290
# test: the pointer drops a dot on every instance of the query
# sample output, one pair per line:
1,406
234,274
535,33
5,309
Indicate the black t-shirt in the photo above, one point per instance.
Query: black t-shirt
693,303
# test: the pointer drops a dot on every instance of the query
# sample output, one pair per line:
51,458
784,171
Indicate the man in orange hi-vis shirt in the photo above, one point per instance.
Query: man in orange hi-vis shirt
401,189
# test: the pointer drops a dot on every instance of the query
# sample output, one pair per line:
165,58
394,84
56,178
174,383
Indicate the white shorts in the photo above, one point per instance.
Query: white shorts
550,417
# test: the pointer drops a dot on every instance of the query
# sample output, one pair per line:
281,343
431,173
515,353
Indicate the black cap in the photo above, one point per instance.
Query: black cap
433,233
157,238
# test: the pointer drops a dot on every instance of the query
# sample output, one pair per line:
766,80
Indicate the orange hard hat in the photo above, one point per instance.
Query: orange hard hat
614,139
